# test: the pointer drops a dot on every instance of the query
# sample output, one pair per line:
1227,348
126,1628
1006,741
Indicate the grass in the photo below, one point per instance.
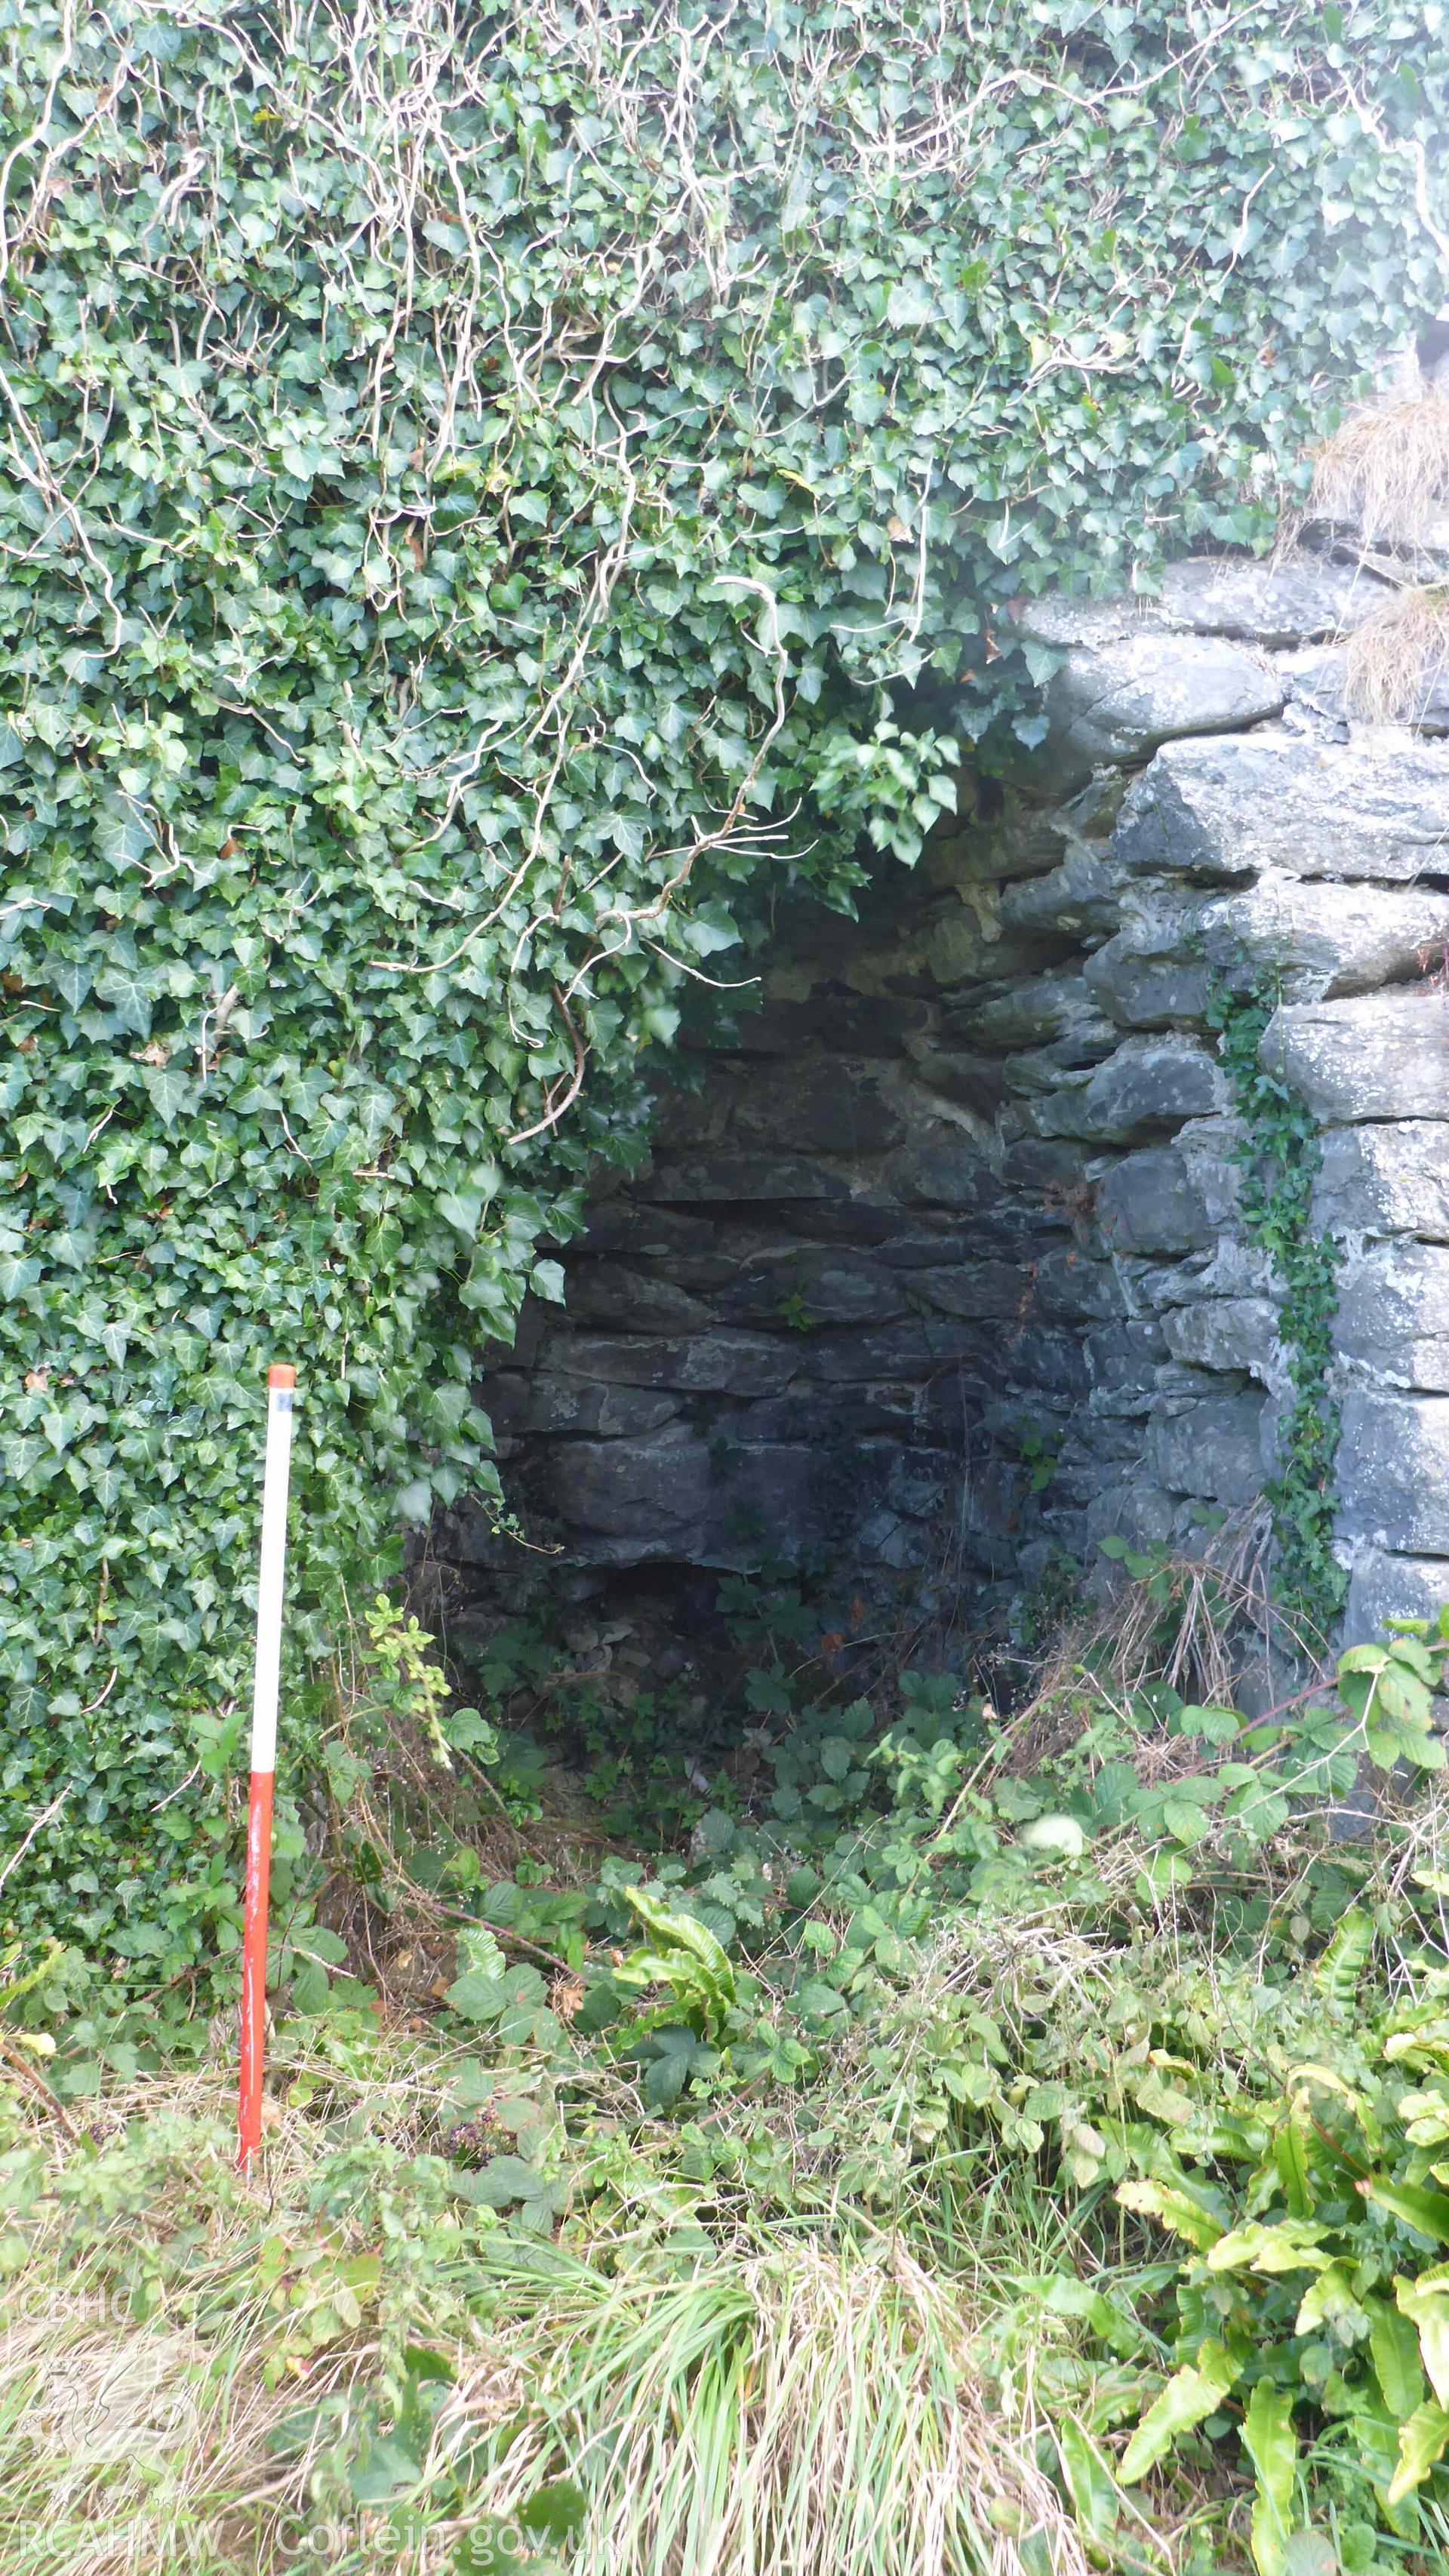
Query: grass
191,2365
1397,657
781,2405
861,2299
1386,470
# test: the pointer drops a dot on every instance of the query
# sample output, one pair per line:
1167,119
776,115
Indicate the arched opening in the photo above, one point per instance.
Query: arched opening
938,1272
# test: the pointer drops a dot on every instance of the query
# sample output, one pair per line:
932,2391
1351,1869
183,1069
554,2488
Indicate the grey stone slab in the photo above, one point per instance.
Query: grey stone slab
723,1362
1117,702
1384,1055
967,1081
1393,1314
1134,1509
1234,1333
980,1290
1086,624
1065,1283
1125,1358
542,1403
1034,1361
821,1107
1393,1472
944,1168
604,1291
1380,1180
1148,1086
1384,1587
1324,940
1296,602
1146,978
1080,899
1208,1147
717,1180
1212,1450
1045,1007
803,1287
1147,1203
655,1493
901,1352
1319,679
1235,806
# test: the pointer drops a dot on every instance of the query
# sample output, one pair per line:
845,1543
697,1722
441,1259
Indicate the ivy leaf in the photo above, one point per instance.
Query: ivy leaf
171,1091
130,991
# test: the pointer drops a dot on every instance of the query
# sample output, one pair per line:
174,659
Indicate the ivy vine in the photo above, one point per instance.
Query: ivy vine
1279,1157
481,491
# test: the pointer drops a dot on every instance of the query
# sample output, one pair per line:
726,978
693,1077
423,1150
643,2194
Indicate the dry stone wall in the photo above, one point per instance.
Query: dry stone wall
938,1269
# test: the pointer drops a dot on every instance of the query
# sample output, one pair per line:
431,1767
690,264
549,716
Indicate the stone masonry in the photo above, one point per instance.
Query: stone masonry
938,1266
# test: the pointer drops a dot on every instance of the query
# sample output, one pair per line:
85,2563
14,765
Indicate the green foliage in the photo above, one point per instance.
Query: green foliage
450,558
1278,1160
1314,2292
1080,2024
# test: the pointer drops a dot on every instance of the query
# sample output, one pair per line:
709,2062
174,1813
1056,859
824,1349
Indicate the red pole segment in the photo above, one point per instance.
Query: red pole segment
270,1583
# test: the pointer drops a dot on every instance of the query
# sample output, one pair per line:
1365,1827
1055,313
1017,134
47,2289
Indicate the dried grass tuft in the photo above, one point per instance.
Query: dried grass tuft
1399,654
1386,470
790,2411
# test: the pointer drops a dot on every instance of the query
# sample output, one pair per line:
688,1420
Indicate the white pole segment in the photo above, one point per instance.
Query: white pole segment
276,1477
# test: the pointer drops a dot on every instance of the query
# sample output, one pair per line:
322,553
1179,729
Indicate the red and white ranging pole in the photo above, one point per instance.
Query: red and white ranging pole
280,1385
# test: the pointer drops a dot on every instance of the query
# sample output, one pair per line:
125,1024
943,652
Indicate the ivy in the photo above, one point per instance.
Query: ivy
485,499
1279,1158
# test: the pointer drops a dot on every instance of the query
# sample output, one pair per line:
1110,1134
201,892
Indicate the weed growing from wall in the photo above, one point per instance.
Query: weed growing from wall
1278,1158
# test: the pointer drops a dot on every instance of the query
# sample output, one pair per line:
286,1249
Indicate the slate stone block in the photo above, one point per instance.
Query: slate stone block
1147,1203
1385,1055
1322,939
1149,1085
803,1288
724,1180
1079,900
1380,1180
1124,1358
1235,806
1145,981
1393,1472
1044,1008
1393,1314
920,1349
541,1403
945,1168
823,1108
654,1493
599,1292
1066,1284
1384,1587
1298,602
980,1290
723,1362
1232,1333
1212,1450
1116,702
